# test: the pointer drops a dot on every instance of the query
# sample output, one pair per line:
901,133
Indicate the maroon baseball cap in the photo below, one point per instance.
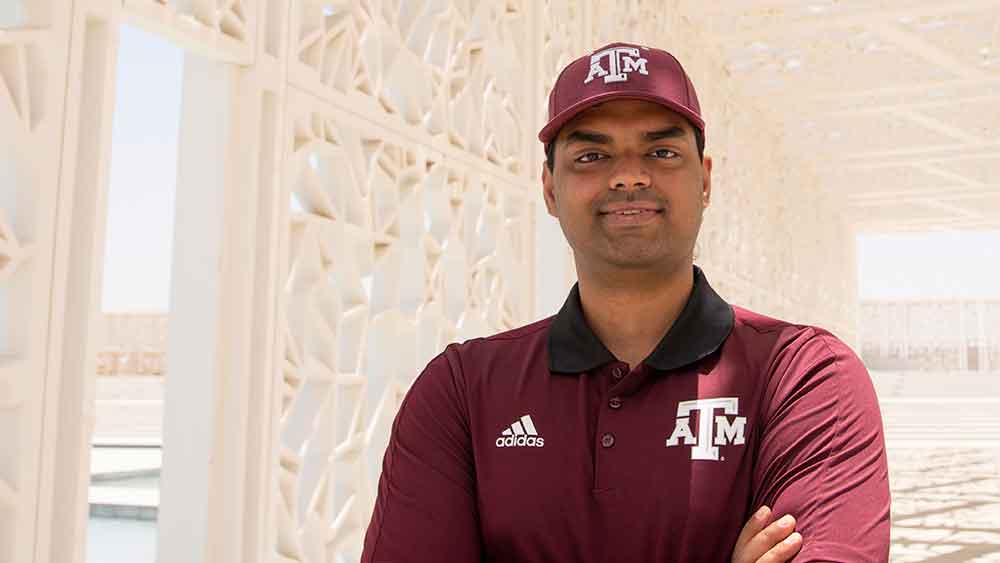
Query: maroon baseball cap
621,70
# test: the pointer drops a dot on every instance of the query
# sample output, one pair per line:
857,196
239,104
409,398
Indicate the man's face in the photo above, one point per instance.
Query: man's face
628,187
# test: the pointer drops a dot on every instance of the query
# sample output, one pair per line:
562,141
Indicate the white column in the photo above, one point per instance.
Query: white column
80,269
38,161
220,321
192,397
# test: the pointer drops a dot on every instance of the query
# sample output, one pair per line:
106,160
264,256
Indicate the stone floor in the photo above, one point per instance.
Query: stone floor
945,504
943,435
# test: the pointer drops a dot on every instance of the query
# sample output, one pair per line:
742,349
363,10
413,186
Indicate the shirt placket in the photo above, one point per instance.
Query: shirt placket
609,428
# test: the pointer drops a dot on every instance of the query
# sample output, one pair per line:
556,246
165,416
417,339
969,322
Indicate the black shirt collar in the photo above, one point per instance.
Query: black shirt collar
700,330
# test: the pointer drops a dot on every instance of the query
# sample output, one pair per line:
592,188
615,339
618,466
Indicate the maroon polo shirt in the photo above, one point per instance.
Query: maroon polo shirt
538,445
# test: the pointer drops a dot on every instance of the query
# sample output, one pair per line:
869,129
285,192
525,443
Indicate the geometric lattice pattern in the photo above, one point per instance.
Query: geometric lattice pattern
221,27
451,69
398,244
395,250
435,246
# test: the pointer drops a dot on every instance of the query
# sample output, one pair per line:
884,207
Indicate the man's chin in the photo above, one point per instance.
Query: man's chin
638,261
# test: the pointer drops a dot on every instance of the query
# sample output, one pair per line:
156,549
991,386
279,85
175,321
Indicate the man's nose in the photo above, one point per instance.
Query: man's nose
629,173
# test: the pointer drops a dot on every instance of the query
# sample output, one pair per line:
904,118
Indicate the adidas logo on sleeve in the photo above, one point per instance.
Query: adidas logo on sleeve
521,433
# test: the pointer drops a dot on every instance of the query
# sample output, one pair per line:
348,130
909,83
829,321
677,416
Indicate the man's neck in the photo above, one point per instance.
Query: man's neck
630,312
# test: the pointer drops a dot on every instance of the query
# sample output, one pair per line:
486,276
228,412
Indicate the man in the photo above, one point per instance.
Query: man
648,420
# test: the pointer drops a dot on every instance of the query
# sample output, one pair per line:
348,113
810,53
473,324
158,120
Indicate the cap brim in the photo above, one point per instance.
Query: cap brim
552,128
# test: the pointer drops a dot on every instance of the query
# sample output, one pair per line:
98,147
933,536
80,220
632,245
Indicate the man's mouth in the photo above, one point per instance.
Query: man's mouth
626,212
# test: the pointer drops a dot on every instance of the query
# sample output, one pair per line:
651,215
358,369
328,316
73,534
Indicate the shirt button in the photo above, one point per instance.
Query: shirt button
615,403
608,440
618,373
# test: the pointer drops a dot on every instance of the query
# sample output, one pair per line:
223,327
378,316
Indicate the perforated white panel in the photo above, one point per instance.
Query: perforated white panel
396,248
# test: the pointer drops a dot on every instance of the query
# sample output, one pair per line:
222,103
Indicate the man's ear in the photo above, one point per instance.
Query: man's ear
548,190
706,182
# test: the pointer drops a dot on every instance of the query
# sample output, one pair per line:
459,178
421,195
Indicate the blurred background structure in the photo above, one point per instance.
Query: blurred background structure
929,335
352,184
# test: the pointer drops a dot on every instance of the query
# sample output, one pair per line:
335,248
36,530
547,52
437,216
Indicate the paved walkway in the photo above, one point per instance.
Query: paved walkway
943,435
942,423
945,504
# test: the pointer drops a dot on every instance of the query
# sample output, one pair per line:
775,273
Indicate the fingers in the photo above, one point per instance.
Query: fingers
754,525
758,543
784,551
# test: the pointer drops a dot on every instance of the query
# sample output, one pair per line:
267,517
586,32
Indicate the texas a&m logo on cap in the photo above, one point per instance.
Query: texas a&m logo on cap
725,431
621,62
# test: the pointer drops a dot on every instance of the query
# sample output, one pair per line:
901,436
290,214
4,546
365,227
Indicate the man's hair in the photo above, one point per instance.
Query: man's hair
550,149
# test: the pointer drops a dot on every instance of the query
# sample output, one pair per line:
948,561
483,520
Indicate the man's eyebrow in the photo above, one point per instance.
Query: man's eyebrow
583,136
587,137
668,133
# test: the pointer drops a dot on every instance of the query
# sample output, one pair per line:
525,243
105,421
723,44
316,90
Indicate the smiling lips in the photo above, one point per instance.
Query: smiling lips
630,215
629,210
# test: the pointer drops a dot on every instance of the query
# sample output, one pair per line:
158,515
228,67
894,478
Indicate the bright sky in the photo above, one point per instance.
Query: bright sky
143,174
929,265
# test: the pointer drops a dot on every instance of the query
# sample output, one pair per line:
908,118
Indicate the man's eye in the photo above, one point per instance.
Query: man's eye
664,153
589,157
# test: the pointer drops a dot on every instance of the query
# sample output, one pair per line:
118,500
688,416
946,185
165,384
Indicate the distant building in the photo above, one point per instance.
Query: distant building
952,335
132,343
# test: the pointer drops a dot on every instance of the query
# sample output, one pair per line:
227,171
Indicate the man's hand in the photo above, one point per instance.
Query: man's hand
763,543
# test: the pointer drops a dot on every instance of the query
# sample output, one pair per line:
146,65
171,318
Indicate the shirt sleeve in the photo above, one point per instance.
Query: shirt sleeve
426,508
822,452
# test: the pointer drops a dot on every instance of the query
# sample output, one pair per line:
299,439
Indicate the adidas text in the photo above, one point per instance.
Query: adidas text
512,441
521,433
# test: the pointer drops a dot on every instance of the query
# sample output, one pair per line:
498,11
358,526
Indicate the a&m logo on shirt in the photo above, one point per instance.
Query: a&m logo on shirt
713,430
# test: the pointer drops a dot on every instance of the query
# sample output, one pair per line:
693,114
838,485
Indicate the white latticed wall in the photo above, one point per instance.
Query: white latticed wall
357,187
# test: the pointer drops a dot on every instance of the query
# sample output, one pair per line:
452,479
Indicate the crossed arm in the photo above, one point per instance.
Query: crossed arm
821,454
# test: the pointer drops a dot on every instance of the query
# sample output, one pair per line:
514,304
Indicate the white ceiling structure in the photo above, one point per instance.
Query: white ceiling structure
897,102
